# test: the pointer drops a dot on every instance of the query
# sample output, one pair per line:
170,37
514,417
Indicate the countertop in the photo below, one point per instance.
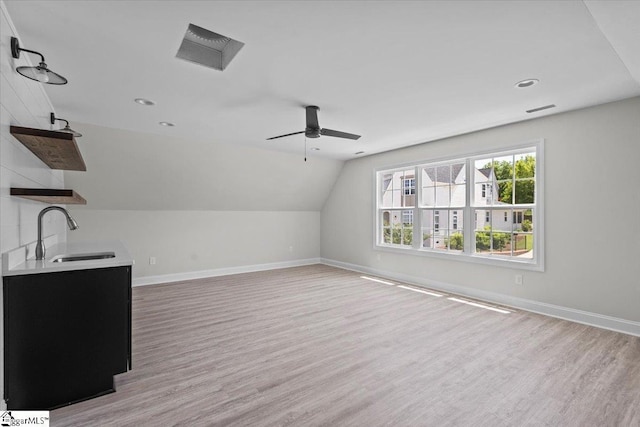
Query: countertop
15,264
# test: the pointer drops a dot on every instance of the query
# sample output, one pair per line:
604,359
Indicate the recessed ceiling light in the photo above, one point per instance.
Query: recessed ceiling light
167,124
314,149
527,83
359,152
143,101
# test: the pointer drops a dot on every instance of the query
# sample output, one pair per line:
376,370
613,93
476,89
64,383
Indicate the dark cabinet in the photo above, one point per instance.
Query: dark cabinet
66,334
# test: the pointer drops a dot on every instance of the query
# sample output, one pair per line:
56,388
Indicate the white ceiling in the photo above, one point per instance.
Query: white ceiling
398,73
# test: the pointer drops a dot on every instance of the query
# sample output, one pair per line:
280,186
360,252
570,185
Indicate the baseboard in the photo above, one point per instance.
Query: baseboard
203,274
593,319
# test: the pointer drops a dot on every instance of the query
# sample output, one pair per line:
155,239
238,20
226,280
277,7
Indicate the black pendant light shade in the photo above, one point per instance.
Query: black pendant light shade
66,129
40,73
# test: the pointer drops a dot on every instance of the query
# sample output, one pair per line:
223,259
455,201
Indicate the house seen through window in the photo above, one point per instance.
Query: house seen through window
481,206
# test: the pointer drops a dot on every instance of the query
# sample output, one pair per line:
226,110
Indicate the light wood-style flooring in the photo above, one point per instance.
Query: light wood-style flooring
318,345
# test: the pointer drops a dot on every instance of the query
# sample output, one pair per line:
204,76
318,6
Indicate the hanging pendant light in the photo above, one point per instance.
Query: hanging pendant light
66,129
40,73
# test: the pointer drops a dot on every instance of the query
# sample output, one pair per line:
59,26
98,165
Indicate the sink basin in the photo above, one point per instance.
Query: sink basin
84,257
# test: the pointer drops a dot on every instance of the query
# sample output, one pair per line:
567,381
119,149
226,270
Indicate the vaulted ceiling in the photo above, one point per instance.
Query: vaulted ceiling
397,73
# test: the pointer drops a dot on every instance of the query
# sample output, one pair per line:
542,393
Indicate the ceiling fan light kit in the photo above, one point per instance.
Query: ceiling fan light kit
40,73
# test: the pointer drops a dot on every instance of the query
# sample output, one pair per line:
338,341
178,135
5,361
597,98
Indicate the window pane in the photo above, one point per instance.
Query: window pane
482,219
428,177
458,175
428,196
483,179
386,227
408,186
505,192
442,178
398,189
523,237
407,217
509,235
395,228
427,228
458,198
483,241
525,166
442,195
441,232
456,220
428,186
396,218
456,239
503,168
523,245
386,235
407,236
500,243
525,191
387,189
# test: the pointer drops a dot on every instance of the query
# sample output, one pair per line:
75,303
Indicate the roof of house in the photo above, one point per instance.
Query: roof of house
441,173
486,172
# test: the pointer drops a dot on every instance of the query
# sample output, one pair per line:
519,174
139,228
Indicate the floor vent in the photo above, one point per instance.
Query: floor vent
207,48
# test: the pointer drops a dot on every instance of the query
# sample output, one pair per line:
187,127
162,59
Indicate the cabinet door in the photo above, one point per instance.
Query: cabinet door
66,335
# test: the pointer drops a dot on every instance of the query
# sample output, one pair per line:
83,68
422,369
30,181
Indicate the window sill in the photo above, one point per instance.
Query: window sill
464,257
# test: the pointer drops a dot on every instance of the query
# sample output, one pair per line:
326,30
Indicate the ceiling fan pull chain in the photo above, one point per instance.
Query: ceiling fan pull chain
305,148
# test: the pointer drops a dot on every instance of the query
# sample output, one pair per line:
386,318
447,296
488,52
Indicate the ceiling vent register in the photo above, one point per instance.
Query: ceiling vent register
207,48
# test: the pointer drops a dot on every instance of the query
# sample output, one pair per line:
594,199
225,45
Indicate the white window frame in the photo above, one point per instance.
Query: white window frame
537,261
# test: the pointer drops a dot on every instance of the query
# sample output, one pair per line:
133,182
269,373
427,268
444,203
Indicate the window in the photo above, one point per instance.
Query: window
409,186
394,216
517,217
407,217
482,208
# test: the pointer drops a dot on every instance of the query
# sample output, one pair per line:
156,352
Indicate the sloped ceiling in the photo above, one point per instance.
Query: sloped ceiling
398,73
129,170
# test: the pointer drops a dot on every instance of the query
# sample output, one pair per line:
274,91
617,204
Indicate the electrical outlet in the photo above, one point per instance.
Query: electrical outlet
290,248
518,279
152,260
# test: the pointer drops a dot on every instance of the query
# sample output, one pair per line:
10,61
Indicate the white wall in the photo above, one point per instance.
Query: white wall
23,102
198,205
591,168
191,243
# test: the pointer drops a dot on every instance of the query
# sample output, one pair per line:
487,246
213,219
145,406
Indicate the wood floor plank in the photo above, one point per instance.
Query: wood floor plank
317,345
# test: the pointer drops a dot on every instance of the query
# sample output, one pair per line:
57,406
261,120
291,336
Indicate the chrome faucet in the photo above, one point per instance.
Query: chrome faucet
40,250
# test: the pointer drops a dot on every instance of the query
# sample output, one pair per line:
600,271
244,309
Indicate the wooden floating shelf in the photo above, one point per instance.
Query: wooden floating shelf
58,150
50,195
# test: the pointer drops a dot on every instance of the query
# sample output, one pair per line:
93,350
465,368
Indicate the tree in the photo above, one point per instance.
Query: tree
524,170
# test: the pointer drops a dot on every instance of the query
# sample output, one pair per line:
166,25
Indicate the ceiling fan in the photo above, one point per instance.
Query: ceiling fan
313,129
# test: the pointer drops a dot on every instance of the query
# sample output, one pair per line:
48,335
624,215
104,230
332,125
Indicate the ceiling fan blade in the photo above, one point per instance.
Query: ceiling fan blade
282,136
338,134
312,117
